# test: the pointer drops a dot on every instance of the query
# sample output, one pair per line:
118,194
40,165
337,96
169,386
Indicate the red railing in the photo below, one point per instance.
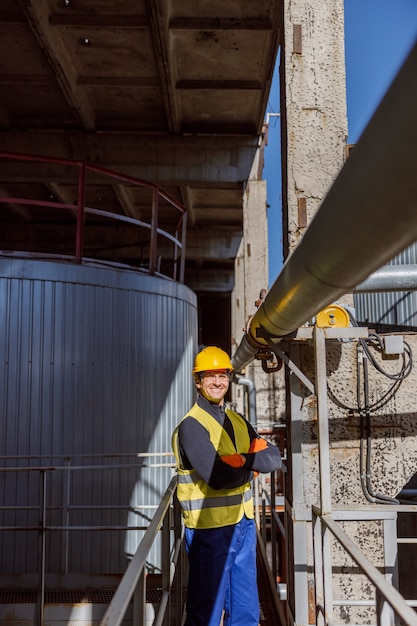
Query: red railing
177,239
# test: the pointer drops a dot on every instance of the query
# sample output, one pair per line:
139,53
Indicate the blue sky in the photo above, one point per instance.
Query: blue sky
378,37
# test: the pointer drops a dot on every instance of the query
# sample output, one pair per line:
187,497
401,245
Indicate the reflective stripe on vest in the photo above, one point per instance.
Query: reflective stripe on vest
202,506
206,503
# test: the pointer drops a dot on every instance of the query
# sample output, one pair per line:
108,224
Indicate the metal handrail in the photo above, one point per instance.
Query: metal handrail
177,239
133,583
387,596
278,533
268,549
166,518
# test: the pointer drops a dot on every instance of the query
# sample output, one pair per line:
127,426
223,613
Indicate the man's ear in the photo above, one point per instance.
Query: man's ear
198,384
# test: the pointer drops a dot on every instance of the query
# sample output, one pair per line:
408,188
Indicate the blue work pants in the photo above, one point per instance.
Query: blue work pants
222,575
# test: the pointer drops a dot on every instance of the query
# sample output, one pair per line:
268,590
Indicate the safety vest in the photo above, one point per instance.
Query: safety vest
202,506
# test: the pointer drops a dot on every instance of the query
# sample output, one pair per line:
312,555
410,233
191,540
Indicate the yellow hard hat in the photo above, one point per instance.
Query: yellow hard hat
212,358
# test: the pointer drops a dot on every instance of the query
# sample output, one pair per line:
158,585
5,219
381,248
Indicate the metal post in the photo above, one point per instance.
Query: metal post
183,242
322,419
139,600
327,575
175,264
179,574
379,603
79,244
391,559
166,565
296,513
318,568
324,463
263,517
273,529
154,231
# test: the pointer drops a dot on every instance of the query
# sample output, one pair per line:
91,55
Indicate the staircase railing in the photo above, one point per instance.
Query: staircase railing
133,583
391,606
162,535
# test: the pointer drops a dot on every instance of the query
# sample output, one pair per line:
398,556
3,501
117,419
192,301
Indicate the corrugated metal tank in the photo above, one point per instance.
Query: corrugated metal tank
396,308
95,367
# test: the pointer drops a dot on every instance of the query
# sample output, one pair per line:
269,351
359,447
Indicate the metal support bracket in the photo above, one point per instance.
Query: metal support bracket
306,334
291,365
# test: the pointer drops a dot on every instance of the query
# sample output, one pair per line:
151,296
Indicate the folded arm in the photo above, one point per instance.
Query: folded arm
198,453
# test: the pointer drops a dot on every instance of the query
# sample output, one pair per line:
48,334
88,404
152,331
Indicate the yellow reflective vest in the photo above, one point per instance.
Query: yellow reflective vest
202,506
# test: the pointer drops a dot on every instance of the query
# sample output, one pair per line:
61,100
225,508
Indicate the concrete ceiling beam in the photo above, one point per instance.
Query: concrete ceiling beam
198,159
59,60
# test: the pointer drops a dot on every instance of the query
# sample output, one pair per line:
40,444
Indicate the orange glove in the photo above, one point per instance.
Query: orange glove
258,444
235,460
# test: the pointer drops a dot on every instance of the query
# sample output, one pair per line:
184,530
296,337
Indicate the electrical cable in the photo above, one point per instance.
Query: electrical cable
364,357
376,497
376,342
373,339
407,366
362,471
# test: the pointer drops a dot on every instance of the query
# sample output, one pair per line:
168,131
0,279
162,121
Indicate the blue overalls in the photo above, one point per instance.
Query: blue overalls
225,558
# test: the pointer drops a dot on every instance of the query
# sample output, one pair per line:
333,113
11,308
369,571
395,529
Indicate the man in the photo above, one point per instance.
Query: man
218,453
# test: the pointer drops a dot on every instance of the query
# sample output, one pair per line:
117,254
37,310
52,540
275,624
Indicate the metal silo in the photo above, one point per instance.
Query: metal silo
95,374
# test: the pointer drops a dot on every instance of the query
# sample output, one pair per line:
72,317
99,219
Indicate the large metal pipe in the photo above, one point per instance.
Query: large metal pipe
390,278
368,216
251,389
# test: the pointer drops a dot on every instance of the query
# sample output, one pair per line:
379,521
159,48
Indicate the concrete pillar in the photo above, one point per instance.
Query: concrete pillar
314,91
314,131
251,277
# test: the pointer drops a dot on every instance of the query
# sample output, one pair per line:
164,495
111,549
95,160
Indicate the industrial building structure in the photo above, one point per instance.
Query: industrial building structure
133,229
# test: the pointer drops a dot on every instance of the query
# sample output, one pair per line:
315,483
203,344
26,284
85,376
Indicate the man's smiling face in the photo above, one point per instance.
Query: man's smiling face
213,385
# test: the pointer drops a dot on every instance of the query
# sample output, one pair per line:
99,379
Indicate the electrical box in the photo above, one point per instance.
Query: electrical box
393,344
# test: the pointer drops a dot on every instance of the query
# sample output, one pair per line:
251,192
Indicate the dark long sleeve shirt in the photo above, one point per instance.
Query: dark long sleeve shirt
198,452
